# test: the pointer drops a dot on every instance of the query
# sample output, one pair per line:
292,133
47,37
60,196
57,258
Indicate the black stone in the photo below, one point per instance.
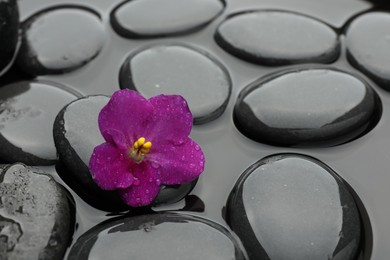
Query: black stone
155,18
9,33
271,37
291,206
27,113
183,70
159,236
60,39
307,107
76,134
36,220
368,46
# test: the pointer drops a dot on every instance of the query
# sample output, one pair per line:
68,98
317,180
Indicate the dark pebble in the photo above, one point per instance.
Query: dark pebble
273,38
307,107
156,18
27,113
180,69
293,206
9,33
368,46
59,40
159,236
35,215
76,134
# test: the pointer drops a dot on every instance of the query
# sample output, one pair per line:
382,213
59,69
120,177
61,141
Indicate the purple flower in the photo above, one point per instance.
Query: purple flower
147,144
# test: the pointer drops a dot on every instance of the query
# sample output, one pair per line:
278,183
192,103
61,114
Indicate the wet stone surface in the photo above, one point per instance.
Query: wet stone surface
76,134
35,215
273,37
27,113
9,26
155,18
307,107
60,40
161,236
368,45
182,70
292,206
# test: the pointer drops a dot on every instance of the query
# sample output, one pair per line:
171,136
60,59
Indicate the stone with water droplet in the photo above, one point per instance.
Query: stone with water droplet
368,46
307,107
180,70
36,216
60,40
158,236
27,113
287,222
76,133
272,37
155,18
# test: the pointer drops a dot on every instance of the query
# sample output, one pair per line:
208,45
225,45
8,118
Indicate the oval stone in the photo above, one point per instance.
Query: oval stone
273,37
9,33
291,206
180,70
307,107
61,39
76,134
159,236
27,113
36,219
156,18
368,46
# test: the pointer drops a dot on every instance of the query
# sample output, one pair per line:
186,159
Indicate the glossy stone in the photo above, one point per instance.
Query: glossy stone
368,45
291,206
160,236
35,215
27,113
307,107
76,134
59,40
179,69
156,18
9,32
273,37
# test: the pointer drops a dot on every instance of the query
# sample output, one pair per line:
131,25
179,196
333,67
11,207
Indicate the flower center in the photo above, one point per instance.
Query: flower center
139,149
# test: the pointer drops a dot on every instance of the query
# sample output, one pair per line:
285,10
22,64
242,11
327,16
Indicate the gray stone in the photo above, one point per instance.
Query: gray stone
36,220
307,107
291,206
159,236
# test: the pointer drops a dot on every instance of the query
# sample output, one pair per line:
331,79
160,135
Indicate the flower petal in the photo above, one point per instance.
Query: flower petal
178,163
127,112
172,119
145,188
109,168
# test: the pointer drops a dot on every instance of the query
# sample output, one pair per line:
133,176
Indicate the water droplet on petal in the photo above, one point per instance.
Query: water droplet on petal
178,141
155,165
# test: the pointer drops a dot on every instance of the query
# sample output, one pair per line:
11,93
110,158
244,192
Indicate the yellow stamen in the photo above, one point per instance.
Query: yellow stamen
141,141
139,149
